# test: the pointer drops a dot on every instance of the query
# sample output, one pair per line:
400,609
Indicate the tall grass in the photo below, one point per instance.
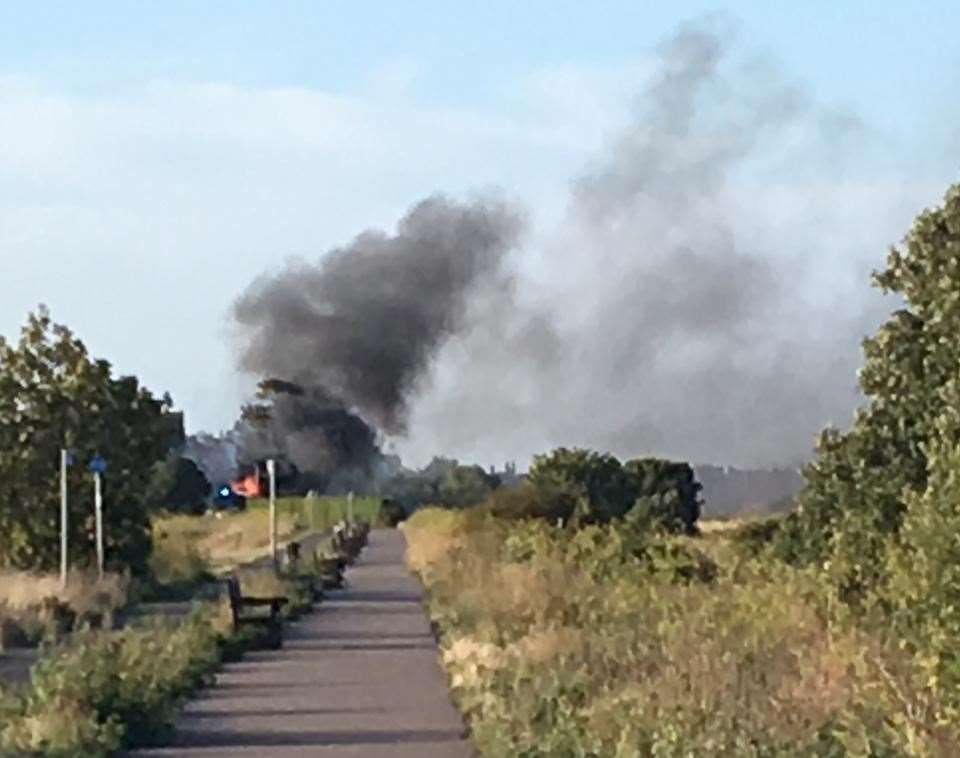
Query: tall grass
34,607
187,549
319,514
185,544
603,642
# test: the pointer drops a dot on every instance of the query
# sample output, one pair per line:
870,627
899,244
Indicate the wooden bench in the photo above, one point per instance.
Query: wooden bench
307,582
330,571
272,624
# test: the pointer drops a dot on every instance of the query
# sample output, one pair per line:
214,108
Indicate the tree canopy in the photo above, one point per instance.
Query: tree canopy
596,487
859,486
54,395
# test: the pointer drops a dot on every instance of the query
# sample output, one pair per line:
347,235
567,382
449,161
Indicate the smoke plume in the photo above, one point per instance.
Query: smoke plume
709,305
703,298
346,341
365,322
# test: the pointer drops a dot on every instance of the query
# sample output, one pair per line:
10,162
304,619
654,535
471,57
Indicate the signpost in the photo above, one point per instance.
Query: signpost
271,472
65,460
350,507
98,466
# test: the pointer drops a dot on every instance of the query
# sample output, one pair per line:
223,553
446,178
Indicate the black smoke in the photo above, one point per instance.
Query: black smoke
345,341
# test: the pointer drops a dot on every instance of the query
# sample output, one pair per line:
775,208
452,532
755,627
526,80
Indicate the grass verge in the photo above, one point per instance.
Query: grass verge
606,642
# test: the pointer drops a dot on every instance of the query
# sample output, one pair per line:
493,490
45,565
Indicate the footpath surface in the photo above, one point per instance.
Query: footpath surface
359,677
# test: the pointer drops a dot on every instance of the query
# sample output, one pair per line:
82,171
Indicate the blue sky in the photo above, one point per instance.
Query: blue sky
156,157
883,58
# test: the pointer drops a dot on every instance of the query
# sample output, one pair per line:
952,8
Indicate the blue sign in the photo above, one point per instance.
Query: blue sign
98,465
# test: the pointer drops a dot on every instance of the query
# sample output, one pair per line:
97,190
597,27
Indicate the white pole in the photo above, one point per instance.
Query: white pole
63,517
98,506
271,470
350,507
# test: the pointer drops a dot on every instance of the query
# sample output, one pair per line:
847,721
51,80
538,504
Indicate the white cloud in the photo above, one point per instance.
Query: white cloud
139,216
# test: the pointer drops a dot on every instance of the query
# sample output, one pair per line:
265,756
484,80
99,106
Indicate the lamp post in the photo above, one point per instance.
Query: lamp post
98,466
271,473
65,461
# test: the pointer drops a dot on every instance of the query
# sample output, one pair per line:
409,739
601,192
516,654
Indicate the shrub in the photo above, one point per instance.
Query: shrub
107,691
667,491
595,488
391,513
613,641
178,567
568,478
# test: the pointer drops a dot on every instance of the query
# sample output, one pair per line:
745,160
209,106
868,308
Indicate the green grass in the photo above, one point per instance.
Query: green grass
321,513
187,549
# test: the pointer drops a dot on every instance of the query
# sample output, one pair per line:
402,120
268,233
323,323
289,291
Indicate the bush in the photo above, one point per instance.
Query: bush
591,487
923,591
466,485
528,502
107,691
391,513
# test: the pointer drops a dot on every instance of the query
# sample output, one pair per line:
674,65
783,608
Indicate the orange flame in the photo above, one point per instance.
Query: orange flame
248,486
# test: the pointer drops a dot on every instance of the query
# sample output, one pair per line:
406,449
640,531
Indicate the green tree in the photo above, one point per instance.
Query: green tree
178,484
858,487
666,491
466,485
54,395
585,483
596,488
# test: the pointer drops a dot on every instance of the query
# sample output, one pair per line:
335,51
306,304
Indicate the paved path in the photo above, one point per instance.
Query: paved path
359,677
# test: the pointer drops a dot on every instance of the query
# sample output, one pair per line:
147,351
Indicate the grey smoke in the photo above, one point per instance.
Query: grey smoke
703,300
365,321
697,319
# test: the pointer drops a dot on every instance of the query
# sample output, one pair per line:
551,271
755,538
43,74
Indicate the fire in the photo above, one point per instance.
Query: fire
248,486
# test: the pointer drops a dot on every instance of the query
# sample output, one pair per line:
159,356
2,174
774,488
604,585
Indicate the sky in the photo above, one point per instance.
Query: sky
157,158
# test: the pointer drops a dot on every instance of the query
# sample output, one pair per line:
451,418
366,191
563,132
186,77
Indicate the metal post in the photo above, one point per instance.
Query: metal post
271,469
64,460
350,507
312,506
98,507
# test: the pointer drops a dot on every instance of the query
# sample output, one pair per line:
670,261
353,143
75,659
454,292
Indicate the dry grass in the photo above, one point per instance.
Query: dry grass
32,605
222,541
557,645
22,591
719,526
432,537
226,540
